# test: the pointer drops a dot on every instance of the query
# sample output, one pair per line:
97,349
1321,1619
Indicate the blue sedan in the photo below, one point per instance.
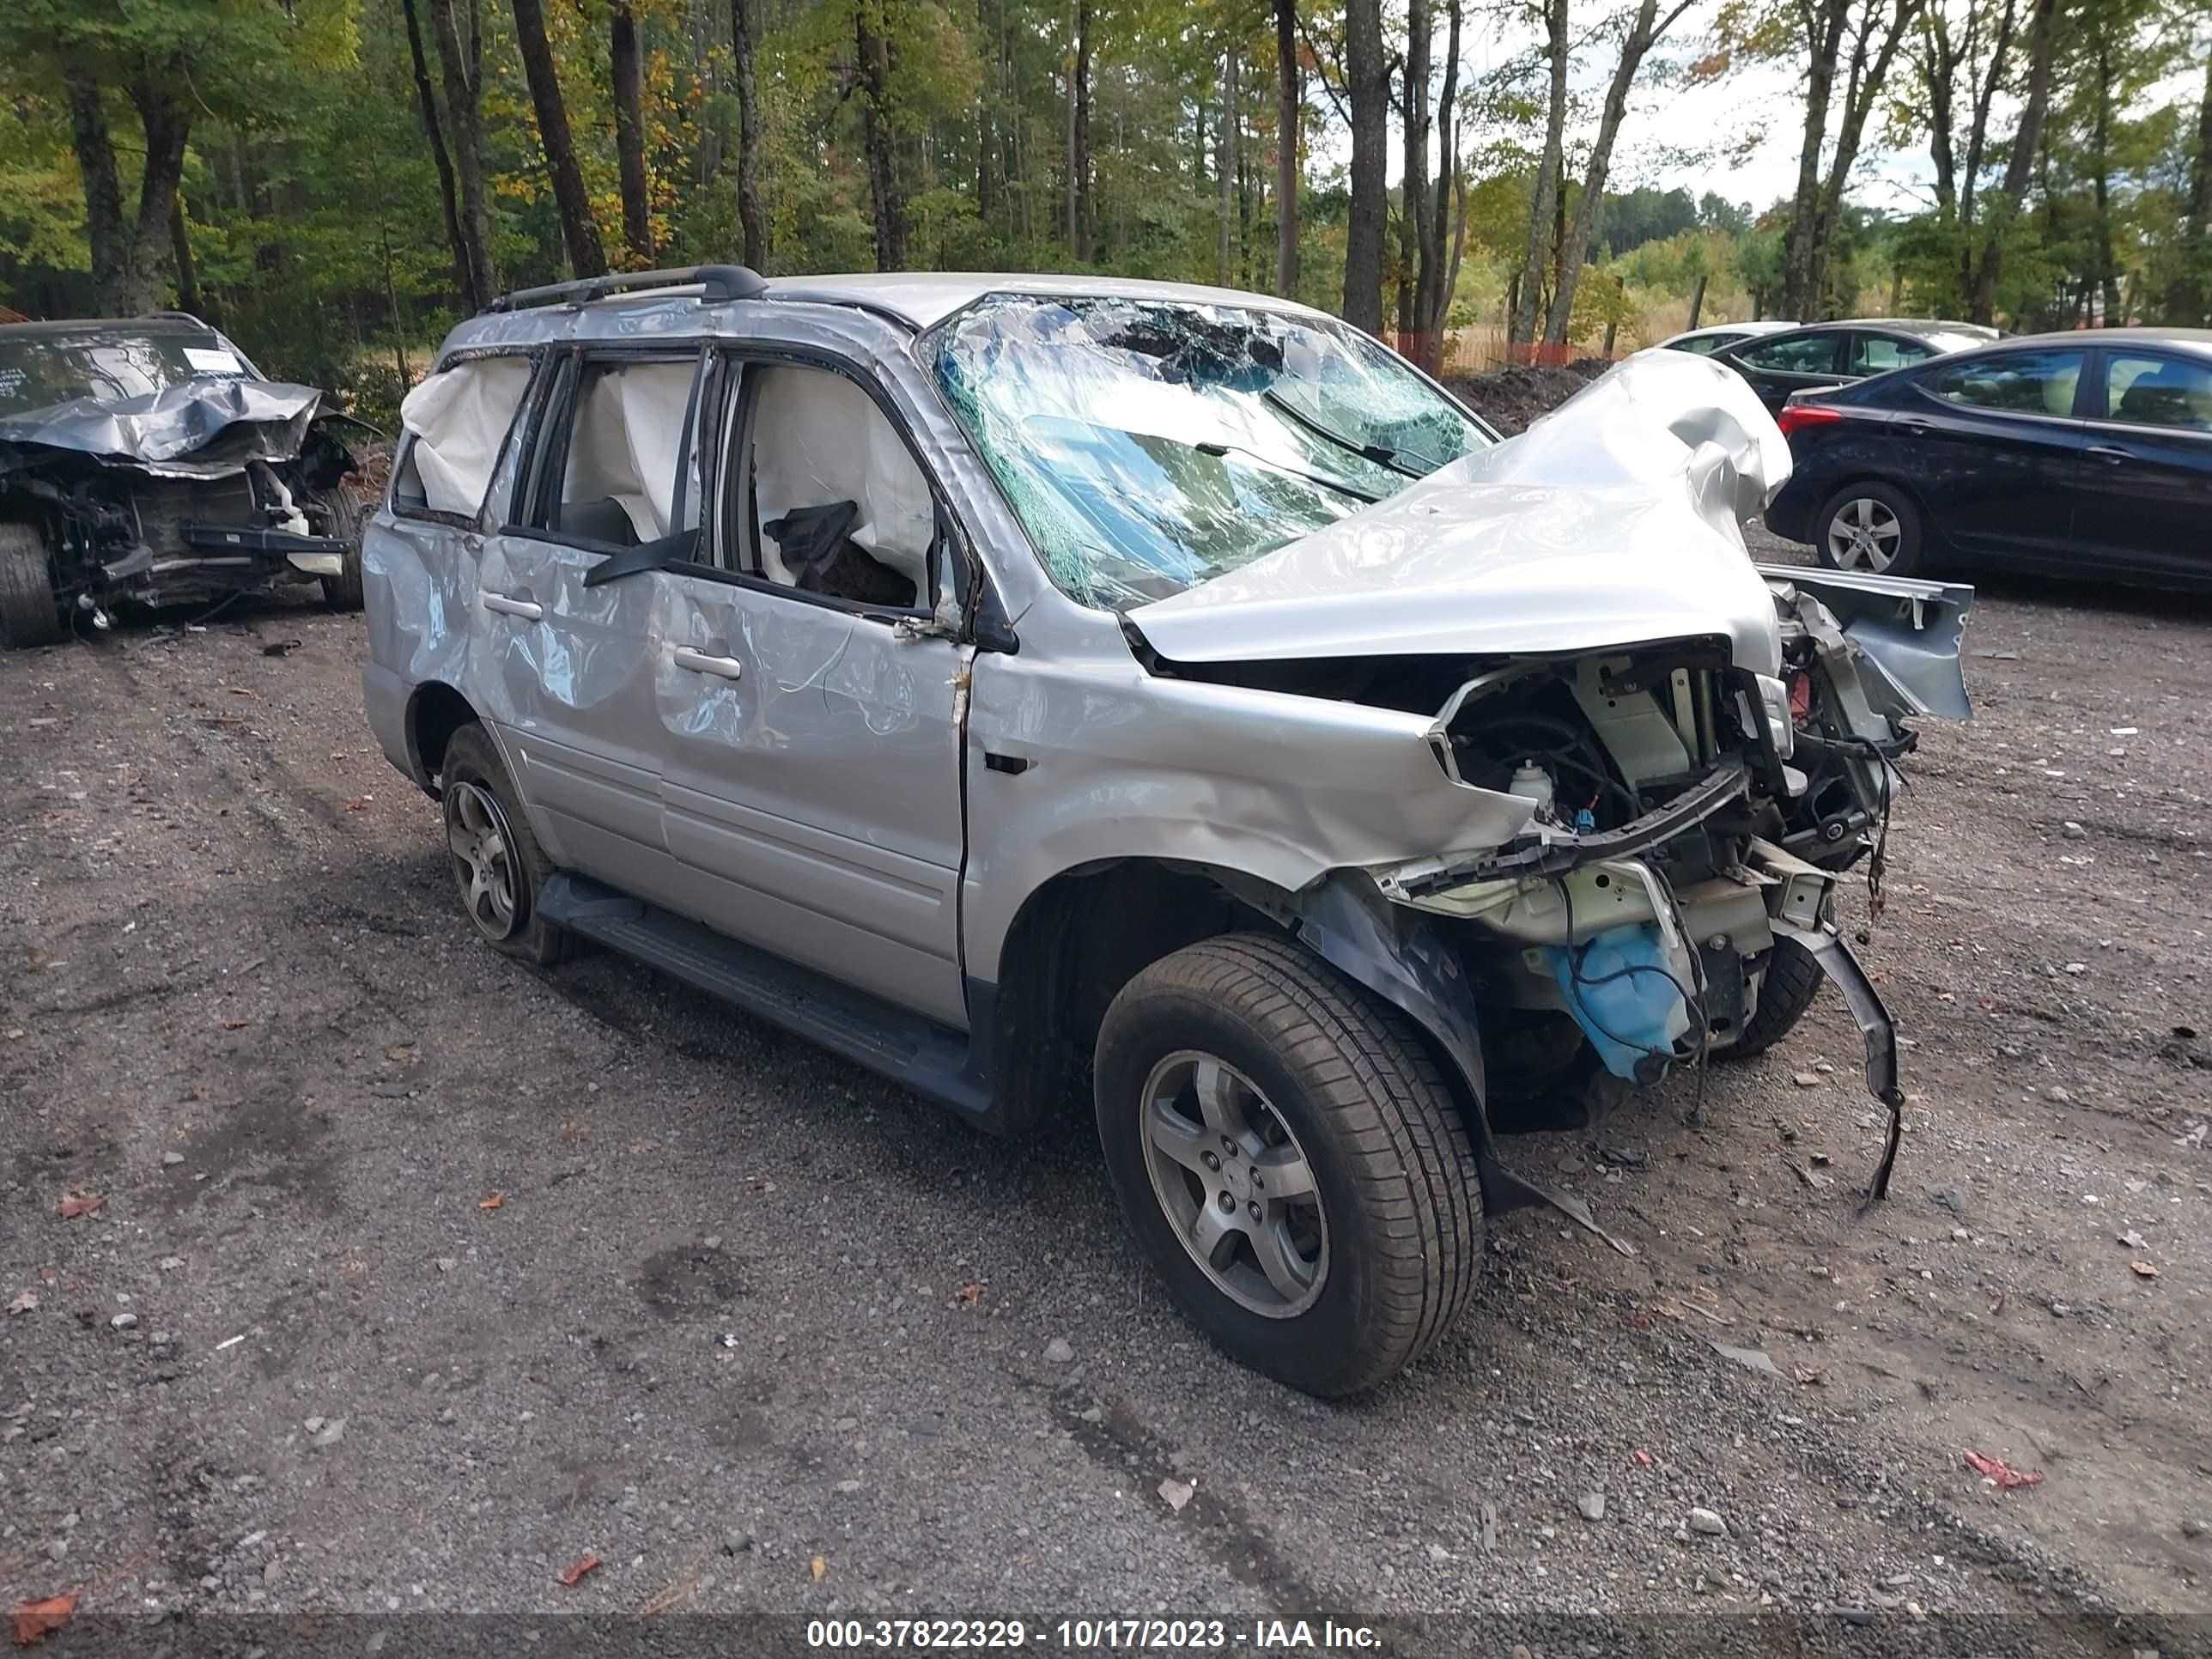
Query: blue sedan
2079,455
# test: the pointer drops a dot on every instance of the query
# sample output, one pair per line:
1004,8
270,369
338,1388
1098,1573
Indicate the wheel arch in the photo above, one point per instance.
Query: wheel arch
435,711
1090,929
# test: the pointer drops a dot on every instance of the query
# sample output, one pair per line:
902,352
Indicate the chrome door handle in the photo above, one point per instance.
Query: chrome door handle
528,610
700,663
2111,456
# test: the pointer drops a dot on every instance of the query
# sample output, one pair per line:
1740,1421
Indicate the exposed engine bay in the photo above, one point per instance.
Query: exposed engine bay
147,461
118,533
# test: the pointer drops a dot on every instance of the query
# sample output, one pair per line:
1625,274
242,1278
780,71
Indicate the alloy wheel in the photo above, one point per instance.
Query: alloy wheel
483,858
1864,534
1234,1184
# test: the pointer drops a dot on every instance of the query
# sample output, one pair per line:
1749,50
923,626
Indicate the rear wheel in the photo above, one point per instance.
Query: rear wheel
1290,1160
30,610
347,512
499,869
1870,527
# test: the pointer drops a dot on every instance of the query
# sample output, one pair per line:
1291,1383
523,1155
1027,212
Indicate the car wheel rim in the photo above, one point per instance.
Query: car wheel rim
483,858
1234,1184
1864,535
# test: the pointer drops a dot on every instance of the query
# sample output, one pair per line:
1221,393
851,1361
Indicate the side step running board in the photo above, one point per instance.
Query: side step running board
926,1057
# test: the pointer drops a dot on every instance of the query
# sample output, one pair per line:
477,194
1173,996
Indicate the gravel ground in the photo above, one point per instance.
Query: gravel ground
415,1277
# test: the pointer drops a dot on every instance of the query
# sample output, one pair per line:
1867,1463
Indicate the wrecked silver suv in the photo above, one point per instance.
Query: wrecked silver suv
1027,688
145,460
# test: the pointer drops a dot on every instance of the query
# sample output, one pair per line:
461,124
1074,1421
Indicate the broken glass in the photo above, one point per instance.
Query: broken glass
1150,446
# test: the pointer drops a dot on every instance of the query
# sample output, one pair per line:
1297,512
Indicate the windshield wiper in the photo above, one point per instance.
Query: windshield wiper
1381,454
1208,447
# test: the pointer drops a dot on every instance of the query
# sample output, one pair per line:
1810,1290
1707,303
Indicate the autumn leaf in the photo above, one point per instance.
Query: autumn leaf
492,1202
819,1567
76,1204
970,1295
2143,1269
34,1618
574,1574
24,1303
2006,1477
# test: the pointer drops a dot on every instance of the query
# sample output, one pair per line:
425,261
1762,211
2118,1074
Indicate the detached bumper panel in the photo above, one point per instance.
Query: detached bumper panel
1875,1024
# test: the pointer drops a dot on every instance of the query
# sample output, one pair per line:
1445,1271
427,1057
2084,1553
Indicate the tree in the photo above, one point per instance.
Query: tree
2020,164
1367,88
462,65
873,54
1874,30
1644,32
1545,199
580,230
1289,100
159,67
750,219
2189,298
629,84
434,129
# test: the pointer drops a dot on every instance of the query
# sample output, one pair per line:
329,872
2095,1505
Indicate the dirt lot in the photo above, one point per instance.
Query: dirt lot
416,1276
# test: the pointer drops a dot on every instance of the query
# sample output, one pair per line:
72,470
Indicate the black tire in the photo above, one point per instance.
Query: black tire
347,512
1881,498
472,763
1349,1079
30,610
1793,981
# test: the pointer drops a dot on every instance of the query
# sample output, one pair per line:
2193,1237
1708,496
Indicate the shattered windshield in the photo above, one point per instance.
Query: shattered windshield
1148,447
47,368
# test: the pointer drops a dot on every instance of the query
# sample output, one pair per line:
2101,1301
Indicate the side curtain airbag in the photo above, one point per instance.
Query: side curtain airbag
820,440
459,417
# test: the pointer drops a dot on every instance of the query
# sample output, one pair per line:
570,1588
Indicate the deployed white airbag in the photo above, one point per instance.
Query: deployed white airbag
628,432
818,439
459,417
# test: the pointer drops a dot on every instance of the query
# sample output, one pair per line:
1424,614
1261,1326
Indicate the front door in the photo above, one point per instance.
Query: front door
576,662
809,715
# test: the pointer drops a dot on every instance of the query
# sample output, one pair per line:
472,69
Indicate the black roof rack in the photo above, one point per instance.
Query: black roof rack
722,283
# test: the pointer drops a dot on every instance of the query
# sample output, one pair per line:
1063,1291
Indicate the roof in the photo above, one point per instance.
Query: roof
159,322
1762,325
1923,325
2195,340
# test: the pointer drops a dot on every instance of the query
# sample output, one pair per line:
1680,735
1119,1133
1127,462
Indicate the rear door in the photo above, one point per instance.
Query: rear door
1779,364
808,712
1989,442
2145,476
576,661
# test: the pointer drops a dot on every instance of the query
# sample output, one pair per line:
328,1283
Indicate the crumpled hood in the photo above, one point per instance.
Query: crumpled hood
199,429
1616,519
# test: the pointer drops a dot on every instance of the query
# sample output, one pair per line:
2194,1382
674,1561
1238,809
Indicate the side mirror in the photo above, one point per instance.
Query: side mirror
678,549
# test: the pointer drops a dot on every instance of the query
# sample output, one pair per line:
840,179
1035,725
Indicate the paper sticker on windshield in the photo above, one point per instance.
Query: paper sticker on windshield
214,360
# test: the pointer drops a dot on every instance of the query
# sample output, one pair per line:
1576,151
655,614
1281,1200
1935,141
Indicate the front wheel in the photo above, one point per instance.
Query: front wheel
30,611
1290,1160
1870,527
345,513
1793,979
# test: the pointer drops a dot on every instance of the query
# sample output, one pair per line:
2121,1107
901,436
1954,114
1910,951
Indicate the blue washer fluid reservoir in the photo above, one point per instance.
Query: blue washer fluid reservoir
1630,1016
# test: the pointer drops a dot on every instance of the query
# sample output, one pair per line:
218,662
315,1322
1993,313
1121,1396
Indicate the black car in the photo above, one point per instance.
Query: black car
147,459
2066,453
1833,354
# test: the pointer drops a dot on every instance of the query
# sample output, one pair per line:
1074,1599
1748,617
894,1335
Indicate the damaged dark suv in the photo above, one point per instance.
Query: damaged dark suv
148,461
